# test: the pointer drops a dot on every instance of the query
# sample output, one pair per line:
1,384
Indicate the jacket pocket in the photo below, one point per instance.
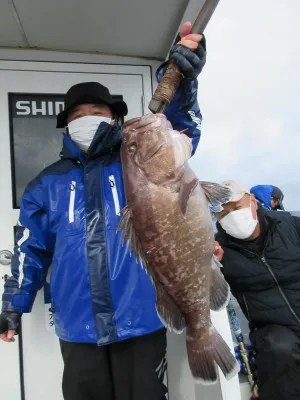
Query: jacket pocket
112,184
72,201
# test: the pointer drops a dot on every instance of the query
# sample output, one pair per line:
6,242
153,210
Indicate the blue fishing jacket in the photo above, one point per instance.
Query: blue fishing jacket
68,219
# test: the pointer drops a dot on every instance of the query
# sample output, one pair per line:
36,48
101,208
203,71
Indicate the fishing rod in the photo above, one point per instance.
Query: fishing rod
235,323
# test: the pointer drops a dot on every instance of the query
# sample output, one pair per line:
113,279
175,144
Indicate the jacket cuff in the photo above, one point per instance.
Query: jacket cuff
161,70
7,307
18,302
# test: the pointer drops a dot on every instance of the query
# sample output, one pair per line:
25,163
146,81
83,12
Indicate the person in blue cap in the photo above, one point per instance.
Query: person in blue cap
269,196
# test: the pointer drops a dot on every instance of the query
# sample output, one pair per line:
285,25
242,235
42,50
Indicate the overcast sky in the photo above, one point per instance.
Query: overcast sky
249,95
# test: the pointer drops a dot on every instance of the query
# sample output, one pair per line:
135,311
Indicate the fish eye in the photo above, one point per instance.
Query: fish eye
132,146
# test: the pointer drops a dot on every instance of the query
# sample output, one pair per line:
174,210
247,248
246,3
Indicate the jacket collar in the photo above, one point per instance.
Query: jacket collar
107,140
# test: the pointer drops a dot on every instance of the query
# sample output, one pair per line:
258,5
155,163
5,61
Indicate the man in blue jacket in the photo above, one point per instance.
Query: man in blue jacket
113,343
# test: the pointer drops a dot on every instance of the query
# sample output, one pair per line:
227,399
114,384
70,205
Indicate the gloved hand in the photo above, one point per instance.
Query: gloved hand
9,325
189,53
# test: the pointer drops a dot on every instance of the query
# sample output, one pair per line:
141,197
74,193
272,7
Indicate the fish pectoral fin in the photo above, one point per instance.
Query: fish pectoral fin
168,311
186,190
130,235
216,195
219,288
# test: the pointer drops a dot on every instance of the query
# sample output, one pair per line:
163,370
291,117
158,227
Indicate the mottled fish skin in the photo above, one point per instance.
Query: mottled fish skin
171,218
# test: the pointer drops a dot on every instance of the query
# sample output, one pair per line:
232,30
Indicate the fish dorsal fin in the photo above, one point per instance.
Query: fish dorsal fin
168,311
186,190
216,195
130,235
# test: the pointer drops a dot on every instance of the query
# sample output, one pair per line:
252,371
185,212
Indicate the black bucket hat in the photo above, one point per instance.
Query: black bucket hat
89,92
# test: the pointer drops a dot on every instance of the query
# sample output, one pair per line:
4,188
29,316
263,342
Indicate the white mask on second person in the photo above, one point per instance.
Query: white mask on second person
239,223
82,130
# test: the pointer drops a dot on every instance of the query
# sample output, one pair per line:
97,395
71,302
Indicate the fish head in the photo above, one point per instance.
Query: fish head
155,148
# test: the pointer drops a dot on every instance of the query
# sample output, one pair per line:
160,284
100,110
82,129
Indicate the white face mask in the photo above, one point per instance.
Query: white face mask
82,130
239,223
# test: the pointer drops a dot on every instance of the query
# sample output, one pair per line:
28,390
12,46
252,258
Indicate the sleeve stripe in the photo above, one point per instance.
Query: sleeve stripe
195,119
22,255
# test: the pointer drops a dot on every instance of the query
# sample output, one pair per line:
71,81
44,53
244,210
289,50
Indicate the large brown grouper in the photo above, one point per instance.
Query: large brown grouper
168,223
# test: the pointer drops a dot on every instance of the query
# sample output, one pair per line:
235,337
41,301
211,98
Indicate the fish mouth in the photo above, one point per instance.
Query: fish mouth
132,121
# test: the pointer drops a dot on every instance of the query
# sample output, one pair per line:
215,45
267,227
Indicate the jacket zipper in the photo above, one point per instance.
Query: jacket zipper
112,184
267,265
72,202
279,288
247,308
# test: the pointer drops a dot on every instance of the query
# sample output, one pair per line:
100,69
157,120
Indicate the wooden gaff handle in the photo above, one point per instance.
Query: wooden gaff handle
167,87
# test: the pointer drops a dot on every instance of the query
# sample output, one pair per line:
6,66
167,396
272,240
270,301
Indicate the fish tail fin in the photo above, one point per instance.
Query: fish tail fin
208,351
219,288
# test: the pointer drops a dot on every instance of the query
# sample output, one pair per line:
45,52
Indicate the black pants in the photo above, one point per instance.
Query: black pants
133,369
278,363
